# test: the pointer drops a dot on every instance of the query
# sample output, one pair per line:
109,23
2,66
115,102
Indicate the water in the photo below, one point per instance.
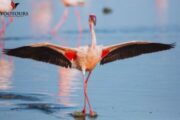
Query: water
144,87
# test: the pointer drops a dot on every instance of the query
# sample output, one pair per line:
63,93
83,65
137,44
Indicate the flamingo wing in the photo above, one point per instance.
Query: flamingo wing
131,49
45,52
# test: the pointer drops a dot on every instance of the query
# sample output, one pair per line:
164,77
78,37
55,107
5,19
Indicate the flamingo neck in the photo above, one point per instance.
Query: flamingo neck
93,35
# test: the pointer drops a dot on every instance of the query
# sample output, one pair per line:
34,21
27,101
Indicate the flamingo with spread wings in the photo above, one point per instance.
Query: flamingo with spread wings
85,58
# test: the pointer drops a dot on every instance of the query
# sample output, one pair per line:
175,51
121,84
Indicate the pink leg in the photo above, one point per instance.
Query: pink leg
5,25
2,30
77,13
10,20
86,96
84,109
61,22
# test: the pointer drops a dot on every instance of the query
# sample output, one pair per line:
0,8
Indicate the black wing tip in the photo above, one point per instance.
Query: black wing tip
102,62
5,51
168,46
172,45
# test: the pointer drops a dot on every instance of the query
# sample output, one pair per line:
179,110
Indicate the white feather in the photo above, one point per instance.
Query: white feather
5,6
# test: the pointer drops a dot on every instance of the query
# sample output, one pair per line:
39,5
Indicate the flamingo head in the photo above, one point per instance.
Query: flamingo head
92,19
14,5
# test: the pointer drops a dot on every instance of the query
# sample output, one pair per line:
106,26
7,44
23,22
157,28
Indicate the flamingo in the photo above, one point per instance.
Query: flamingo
69,3
85,58
6,6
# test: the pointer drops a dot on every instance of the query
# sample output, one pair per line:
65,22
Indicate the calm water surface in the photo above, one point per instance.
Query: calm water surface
140,88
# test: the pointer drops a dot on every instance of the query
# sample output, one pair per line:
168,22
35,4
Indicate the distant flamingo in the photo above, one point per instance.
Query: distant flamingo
69,3
6,66
85,58
6,6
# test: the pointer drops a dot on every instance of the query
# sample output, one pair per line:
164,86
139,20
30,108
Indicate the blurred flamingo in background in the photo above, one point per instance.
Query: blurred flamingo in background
6,6
6,66
67,4
85,58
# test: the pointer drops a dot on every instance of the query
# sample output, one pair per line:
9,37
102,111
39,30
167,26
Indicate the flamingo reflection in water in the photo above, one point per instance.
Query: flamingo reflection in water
69,3
68,85
6,68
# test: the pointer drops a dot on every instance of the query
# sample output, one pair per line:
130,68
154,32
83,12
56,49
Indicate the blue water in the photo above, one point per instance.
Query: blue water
141,88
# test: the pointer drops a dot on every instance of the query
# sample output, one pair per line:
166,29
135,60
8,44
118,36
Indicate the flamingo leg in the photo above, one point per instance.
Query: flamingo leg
61,22
77,14
10,20
3,27
84,109
86,96
2,31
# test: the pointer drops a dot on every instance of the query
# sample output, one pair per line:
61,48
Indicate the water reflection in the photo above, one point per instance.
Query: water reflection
47,108
16,96
6,69
68,85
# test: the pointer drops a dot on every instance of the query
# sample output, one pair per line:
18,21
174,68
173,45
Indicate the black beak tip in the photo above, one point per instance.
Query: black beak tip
16,4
